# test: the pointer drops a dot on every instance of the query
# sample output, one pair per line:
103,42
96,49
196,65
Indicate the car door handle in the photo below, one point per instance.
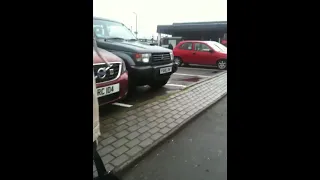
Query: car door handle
194,53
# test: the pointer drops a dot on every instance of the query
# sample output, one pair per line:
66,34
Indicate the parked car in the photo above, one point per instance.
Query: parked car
201,52
224,42
112,81
147,65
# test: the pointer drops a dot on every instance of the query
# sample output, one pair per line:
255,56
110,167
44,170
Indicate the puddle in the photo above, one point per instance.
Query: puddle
145,93
192,79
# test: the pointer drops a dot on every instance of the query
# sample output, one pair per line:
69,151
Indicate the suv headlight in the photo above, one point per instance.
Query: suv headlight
171,56
143,57
124,68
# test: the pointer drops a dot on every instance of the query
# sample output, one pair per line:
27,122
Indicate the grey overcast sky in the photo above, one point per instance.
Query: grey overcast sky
159,12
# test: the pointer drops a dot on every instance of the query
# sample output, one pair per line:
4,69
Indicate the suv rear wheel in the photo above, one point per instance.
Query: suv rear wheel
159,83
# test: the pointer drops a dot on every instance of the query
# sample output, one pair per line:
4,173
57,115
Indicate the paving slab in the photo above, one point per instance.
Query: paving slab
128,135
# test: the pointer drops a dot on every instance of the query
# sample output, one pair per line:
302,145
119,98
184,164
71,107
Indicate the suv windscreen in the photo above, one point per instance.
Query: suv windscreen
110,29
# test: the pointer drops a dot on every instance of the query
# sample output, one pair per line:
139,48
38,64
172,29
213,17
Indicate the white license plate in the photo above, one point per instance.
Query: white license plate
103,91
165,70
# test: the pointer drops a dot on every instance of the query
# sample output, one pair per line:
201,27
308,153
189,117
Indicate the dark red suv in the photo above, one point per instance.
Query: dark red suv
112,81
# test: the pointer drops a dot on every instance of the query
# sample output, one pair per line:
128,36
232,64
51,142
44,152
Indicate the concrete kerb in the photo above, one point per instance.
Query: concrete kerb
127,165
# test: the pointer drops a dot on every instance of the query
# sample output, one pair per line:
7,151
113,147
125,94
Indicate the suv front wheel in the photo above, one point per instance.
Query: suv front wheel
158,83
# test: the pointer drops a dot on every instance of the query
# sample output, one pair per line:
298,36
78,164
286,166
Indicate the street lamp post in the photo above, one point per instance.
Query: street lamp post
136,24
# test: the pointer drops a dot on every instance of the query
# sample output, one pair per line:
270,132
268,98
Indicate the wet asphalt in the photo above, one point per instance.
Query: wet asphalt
197,152
184,77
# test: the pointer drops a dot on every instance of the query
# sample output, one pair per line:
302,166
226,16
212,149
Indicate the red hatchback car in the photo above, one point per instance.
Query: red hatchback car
201,52
112,82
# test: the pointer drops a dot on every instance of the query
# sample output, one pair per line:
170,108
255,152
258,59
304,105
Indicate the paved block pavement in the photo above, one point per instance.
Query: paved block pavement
197,152
128,135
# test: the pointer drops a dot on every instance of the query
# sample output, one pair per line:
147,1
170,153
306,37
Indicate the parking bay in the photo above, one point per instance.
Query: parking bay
184,77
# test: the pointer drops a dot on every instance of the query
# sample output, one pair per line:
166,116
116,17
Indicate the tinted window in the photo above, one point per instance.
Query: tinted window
201,47
186,46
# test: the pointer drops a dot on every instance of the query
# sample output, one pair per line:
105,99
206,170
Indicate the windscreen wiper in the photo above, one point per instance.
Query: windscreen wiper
132,39
113,38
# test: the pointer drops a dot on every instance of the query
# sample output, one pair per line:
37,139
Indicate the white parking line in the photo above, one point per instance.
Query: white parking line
204,69
122,105
177,85
190,75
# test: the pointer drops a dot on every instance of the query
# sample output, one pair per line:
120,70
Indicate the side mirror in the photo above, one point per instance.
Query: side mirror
211,51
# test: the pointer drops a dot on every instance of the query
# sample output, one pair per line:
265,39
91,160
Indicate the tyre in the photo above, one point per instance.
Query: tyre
159,83
222,64
178,61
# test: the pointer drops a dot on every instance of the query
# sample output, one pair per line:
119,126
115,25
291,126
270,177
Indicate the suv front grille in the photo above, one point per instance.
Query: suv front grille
156,57
112,73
